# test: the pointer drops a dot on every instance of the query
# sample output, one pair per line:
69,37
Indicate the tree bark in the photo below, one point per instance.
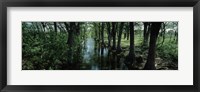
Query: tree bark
163,33
102,34
146,38
119,37
131,52
150,64
130,59
145,33
99,32
127,32
95,31
55,26
78,29
71,33
109,34
114,35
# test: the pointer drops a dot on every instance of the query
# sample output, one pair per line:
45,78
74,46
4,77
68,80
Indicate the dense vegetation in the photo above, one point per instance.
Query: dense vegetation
100,45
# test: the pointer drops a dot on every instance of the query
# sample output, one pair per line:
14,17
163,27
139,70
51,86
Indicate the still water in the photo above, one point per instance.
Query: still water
97,57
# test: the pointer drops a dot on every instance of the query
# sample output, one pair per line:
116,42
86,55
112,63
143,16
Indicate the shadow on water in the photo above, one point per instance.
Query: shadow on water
98,57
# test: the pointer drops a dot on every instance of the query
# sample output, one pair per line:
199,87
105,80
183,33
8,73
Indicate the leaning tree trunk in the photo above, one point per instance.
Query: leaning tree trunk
150,64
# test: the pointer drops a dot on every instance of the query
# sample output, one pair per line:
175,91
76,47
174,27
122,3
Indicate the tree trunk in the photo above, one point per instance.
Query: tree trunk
99,32
109,34
145,33
146,38
102,34
119,37
114,35
127,32
176,38
170,36
130,59
163,33
71,33
78,29
150,64
131,52
55,26
95,31
175,35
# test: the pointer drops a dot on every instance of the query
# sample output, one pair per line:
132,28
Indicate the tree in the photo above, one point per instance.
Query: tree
95,31
114,35
150,64
119,37
109,33
175,27
99,31
176,36
131,53
145,33
131,56
147,29
102,34
55,26
77,28
70,33
127,28
163,33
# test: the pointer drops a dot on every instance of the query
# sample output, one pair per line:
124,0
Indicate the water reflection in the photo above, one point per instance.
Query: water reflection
98,57
89,50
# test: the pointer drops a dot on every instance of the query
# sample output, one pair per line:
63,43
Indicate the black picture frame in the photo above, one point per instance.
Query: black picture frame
98,3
